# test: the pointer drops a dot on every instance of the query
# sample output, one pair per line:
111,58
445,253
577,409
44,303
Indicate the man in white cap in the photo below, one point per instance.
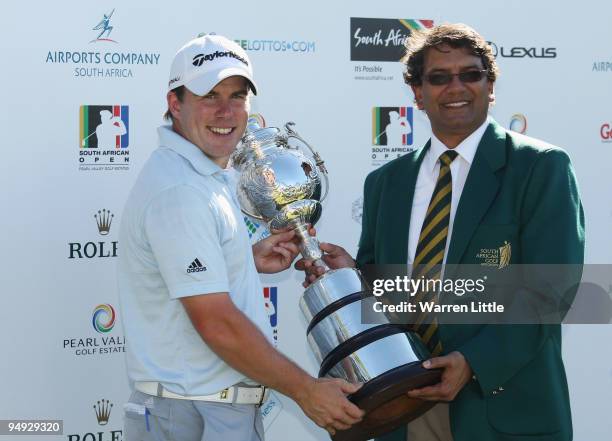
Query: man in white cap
199,357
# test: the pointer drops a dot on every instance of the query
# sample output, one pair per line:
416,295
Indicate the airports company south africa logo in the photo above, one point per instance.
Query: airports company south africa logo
103,56
104,137
105,29
392,133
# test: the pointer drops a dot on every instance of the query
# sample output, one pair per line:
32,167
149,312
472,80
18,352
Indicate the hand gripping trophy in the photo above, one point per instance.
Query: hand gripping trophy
283,186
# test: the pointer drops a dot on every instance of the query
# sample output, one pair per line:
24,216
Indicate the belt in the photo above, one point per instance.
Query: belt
234,394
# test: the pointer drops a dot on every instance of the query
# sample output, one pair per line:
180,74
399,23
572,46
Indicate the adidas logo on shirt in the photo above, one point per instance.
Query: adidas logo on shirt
196,266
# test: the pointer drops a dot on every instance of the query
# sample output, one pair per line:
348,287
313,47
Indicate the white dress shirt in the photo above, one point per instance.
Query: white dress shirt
426,182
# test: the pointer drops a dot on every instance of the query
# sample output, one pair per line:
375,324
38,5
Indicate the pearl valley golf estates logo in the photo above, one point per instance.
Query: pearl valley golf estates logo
104,342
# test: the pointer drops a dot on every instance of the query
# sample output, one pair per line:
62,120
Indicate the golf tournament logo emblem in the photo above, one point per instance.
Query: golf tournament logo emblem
104,137
104,126
392,133
392,126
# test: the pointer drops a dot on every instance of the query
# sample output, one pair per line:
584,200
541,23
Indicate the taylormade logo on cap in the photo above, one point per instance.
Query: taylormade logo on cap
206,61
199,59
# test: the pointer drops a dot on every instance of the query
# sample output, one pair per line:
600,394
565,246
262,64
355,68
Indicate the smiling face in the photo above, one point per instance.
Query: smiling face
214,122
456,109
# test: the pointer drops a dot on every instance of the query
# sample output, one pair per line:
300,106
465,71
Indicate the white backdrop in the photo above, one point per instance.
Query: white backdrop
61,350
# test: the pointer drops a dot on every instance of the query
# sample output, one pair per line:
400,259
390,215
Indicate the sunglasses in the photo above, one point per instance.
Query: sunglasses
469,76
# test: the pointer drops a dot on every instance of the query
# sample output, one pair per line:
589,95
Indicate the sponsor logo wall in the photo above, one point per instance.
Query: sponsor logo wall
86,96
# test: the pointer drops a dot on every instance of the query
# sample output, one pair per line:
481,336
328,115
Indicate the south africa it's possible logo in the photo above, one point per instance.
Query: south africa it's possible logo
103,318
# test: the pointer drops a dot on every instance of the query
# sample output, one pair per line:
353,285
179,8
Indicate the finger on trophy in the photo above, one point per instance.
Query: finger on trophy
308,280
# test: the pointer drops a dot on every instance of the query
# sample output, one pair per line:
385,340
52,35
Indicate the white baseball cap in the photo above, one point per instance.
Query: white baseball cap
205,61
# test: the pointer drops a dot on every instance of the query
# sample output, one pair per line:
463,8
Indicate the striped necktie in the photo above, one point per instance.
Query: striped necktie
430,248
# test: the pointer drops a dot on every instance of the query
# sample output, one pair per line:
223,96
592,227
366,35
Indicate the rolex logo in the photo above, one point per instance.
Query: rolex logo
103,411
104,219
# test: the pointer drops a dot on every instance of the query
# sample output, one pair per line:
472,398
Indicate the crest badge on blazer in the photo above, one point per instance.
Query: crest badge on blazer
495,257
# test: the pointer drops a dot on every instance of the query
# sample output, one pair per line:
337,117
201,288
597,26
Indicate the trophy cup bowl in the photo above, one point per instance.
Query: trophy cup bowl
284,187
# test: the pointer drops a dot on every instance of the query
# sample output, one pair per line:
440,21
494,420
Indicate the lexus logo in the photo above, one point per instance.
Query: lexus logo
523,52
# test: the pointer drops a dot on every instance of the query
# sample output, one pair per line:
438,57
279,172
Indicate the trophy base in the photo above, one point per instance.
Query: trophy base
386,404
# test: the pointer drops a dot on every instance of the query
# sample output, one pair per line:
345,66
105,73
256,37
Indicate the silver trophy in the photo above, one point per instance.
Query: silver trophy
283,186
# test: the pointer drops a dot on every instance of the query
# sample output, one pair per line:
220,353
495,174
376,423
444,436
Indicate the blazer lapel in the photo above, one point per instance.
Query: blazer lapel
398,207
480,189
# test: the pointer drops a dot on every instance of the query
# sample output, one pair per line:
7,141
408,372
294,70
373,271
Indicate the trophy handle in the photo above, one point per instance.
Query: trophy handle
320,163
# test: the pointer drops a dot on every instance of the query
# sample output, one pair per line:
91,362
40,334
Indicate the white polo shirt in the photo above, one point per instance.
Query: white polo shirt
182,234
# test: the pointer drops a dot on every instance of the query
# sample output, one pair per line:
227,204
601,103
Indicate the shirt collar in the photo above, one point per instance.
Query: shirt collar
168,138
466,149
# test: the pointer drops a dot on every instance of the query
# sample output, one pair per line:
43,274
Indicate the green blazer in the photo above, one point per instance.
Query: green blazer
519,191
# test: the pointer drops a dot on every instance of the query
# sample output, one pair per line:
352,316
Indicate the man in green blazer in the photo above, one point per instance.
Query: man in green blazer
510,199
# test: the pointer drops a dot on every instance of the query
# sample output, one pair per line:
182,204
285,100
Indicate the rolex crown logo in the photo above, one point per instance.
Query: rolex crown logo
104,219
103,410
